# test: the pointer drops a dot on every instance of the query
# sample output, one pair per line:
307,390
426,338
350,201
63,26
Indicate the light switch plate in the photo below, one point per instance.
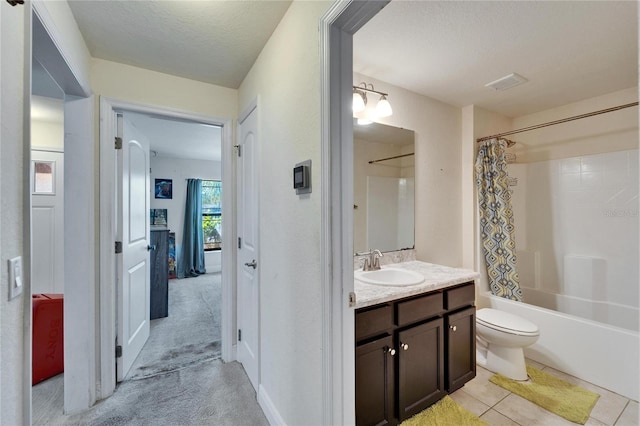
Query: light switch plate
15,277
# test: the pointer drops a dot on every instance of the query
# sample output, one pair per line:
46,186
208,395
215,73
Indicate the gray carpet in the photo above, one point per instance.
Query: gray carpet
191,332
177,379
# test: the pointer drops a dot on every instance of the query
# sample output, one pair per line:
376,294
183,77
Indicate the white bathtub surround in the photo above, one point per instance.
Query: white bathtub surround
604,355
576,225
436,277
583,278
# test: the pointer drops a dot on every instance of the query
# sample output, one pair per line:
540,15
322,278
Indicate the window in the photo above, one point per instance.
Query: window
212,214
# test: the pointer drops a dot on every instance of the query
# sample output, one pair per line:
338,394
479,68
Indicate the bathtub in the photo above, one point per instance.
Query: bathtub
623,316
601,354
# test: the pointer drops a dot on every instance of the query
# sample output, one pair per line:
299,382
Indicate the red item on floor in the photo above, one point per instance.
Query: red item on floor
47,344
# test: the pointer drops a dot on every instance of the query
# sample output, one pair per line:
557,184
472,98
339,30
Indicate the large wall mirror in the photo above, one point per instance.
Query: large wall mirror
383,178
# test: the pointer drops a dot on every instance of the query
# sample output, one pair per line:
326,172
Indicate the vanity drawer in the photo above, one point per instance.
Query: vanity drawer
419,308
459,297
374,321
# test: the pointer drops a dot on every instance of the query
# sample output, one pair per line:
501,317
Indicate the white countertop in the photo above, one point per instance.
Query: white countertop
435,278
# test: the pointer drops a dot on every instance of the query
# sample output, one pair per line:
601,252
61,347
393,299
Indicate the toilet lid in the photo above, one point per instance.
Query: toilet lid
506,322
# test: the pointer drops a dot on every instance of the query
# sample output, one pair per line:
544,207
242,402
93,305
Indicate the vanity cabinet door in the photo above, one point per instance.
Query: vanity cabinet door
461,348
374,383
420,367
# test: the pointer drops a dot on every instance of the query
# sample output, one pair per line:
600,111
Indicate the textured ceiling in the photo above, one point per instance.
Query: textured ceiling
448,50
211,41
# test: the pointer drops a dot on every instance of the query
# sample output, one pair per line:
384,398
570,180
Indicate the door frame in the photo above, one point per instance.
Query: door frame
43,33
337,27
107,290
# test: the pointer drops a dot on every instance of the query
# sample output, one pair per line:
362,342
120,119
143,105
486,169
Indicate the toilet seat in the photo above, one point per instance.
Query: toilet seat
506,322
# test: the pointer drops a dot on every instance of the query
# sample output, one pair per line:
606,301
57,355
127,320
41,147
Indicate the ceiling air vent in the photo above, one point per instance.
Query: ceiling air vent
507,82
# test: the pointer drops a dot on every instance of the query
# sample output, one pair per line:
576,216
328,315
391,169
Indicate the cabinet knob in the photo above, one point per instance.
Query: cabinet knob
391,351
453,327
404,346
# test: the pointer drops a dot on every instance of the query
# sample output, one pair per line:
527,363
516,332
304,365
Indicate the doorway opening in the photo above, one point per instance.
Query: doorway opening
61,250
185,304
171,180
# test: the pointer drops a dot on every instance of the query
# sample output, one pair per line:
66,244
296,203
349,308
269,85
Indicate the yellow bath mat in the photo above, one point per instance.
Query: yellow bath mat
553,394
445,412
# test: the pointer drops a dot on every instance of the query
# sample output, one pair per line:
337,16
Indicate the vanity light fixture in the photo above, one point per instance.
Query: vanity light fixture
368,114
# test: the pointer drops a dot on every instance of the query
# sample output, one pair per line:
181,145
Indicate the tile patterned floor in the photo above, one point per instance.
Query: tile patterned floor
499,407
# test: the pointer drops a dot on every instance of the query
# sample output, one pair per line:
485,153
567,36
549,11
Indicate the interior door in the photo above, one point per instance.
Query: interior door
47,210
248,251
133,289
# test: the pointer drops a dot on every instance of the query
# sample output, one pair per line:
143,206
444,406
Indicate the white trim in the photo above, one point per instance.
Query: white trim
107,267
106,331
40,8
337,27
228,351
80,287
46,149
26,220
268,407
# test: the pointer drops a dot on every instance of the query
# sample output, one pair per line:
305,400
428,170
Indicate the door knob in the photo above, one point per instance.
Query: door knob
151,247
391,351
453,327
404,346
253,264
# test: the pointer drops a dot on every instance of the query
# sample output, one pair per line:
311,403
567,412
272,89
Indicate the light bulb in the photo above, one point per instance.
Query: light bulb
358,102
383,108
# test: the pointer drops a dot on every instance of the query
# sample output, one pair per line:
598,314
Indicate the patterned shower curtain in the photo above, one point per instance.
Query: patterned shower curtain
496,220
192,257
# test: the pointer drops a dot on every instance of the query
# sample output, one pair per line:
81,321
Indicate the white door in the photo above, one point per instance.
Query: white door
248,251
47,218
133,230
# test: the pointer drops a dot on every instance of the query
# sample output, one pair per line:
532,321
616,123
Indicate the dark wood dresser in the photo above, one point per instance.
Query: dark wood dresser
159,267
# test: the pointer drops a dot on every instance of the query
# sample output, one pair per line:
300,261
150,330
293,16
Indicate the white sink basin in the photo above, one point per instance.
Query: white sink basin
389,276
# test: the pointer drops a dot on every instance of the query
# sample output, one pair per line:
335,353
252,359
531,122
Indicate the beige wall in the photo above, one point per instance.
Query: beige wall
47,135
285,79
133,84
615,131
12,147
438,196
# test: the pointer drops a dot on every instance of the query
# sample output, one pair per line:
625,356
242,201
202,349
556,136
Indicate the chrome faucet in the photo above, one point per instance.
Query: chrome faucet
373,262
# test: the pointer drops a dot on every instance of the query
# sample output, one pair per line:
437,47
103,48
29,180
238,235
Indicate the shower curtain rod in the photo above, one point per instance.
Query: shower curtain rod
390,158
553,123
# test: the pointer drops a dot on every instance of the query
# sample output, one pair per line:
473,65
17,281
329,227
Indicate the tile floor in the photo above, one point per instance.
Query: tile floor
498,406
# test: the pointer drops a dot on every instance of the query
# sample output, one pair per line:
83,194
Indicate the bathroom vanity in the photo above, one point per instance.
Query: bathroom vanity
414,344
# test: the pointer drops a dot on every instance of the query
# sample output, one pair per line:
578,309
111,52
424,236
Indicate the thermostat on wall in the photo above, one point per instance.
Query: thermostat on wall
302,177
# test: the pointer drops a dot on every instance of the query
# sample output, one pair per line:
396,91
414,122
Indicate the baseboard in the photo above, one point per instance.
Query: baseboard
270,411
234,353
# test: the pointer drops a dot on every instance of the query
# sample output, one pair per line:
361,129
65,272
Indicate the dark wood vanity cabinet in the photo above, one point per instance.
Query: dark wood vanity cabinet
375,374
461,348
413,351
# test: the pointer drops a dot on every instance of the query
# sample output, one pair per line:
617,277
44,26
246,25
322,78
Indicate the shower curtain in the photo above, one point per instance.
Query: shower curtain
496,220
192,257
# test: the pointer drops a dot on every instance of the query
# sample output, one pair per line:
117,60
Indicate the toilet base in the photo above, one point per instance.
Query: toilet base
506,361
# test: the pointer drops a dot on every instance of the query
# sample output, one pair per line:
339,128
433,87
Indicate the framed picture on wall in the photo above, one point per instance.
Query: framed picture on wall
158,217
164,188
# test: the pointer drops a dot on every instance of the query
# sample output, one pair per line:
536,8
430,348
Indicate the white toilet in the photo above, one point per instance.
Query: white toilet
500,338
